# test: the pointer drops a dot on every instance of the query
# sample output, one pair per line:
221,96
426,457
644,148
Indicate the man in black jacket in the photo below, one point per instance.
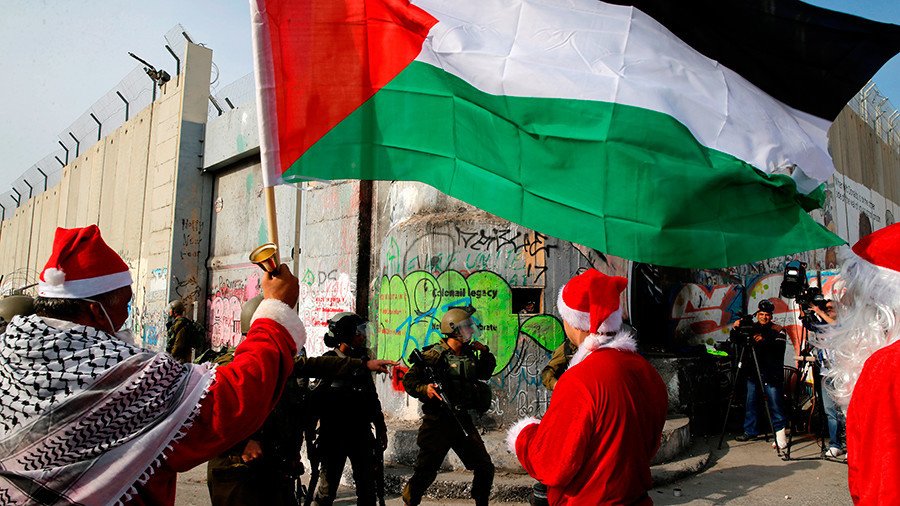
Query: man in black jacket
768,341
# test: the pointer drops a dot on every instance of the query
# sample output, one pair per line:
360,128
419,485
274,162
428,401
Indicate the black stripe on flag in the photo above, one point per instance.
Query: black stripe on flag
809,58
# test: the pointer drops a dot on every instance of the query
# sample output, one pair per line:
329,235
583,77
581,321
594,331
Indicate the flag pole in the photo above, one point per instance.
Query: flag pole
271,216
265,106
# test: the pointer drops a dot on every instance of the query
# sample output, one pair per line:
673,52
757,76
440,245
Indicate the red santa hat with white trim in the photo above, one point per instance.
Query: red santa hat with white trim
590,302
82,265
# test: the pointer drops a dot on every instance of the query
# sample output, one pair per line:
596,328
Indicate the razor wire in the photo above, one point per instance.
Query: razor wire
131,95
876,110
231,96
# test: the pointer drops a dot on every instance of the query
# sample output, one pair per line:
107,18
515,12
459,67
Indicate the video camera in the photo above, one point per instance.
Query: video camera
795,286
740,336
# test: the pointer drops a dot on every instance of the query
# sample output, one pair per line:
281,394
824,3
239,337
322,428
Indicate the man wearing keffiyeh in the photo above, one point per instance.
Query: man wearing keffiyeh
89,418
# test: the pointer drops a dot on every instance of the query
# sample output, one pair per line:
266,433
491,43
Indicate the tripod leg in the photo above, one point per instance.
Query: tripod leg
734,381
762,387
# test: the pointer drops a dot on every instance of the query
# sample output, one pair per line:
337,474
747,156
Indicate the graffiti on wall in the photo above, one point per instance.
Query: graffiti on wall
703,314
322,295
410,309
223,308
152,314
520,255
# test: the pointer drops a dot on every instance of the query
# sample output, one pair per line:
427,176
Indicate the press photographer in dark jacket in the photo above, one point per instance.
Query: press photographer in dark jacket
768,342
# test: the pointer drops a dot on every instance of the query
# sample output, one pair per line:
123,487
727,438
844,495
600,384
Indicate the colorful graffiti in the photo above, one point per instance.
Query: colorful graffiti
409,315
223,308
152,314
410,311
705,313
519,254
322,295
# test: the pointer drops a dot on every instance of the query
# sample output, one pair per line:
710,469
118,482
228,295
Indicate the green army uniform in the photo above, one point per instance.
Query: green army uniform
178,339
558,364
439,432
271,479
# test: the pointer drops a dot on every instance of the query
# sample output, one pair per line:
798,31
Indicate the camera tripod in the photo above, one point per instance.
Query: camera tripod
760,383
818,391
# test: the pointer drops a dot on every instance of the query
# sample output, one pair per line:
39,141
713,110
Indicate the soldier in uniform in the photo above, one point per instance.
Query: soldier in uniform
551,373
348,409
178,333
558,364
264,468
462,365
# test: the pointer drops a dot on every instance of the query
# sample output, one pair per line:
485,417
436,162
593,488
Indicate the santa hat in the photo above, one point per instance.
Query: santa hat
590,302
81,265
881,248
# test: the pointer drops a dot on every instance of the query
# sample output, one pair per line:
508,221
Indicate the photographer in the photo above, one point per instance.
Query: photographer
824,314
768,342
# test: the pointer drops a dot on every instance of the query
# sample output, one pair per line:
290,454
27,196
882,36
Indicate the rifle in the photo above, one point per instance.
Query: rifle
378,455
313,453
431,376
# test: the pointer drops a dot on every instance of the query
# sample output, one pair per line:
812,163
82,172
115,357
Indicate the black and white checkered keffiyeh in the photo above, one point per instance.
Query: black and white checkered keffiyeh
84,416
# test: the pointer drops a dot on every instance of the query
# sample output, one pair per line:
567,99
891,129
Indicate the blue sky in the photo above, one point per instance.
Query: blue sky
60,56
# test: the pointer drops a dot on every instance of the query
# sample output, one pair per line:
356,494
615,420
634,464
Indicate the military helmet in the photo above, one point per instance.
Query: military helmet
454,317
342,327
176,306
15,305
247,310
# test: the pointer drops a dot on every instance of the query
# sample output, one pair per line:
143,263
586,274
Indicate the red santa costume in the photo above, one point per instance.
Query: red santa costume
863,369
89,418
605,419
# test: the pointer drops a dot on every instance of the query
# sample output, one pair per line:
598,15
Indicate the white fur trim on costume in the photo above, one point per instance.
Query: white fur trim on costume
513,433
581,320
80,288
54,276
274,309
612,323
623,340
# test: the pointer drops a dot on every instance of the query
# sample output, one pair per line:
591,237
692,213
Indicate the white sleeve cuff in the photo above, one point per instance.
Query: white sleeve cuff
513,434
274,309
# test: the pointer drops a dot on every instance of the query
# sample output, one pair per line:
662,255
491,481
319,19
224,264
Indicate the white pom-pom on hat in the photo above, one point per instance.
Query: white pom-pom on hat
55,277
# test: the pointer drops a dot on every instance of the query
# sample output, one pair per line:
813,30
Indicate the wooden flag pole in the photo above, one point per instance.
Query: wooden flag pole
271,217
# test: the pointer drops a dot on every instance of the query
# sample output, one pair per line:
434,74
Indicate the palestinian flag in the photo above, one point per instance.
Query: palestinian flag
688,133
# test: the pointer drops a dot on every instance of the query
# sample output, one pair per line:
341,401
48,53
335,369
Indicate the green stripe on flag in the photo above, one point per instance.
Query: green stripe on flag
627,181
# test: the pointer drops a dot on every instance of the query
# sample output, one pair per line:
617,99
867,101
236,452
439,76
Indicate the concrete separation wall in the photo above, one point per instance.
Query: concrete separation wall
128,184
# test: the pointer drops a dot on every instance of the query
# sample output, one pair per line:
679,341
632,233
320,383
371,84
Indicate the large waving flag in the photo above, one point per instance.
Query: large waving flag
687,133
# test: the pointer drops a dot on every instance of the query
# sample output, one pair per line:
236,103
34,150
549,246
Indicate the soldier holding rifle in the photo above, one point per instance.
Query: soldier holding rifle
449,380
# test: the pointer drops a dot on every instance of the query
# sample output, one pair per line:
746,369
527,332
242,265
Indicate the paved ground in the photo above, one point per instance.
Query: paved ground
739,474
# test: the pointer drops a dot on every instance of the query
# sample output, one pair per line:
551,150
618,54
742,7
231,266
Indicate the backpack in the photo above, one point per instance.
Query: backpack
197,336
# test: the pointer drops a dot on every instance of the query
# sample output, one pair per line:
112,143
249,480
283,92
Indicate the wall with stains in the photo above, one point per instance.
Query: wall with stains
238,226
435,252
143,187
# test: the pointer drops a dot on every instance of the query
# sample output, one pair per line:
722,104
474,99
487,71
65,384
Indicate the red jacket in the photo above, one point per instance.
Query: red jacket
873,431
603,426
238,402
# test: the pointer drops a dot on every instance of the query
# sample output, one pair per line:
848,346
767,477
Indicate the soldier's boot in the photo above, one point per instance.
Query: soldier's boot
482,482
407,497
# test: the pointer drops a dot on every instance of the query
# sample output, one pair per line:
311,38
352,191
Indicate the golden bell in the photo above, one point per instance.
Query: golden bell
266,257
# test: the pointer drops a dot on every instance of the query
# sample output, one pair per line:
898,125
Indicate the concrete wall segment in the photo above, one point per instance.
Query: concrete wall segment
232,135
